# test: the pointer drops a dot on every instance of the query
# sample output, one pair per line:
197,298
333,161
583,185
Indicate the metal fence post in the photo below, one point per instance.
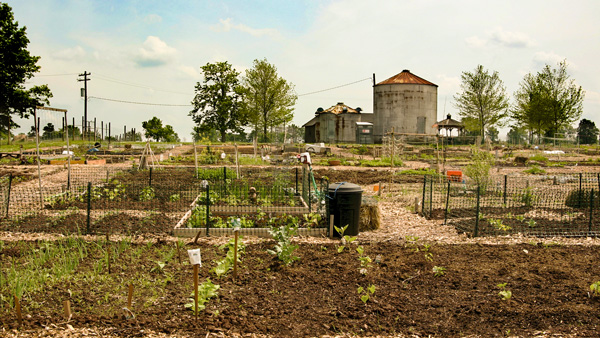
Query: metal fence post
591,211
447,203
505,183
296,193
150,177
423,199
580,191
476,230
207,209
89,205
225,181
430,197
10,178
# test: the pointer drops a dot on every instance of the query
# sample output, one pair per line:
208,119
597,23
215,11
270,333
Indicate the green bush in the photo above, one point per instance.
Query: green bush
581,198
538,158
535,170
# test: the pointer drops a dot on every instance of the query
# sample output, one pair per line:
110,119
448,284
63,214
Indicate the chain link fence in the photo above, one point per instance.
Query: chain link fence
548,205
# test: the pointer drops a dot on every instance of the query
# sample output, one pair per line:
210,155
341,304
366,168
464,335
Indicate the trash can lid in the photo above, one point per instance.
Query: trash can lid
344,188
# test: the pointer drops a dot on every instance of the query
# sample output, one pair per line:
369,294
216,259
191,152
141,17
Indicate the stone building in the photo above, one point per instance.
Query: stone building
336,124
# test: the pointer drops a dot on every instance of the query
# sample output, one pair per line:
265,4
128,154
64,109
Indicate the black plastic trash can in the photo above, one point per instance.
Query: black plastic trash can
344,204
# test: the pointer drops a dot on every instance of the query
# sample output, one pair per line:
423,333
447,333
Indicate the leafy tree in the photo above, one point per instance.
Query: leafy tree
269,98
587,132
154,129
548,101
48,131
169,135
516,135
492,133
16,67
218,101
483,98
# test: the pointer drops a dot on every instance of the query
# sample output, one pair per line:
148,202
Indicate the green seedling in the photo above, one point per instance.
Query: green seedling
497,223
365,294
365,261
505,294
531,223
284,249
438,271
345,238
224,265
206,291
595,288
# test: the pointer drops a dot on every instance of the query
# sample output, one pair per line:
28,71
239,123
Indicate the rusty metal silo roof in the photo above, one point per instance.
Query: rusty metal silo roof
406,77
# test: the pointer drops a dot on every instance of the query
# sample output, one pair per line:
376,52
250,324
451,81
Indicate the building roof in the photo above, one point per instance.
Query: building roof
339,108
448,123
406,77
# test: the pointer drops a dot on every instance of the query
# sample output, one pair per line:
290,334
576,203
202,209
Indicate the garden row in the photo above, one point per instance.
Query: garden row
559,205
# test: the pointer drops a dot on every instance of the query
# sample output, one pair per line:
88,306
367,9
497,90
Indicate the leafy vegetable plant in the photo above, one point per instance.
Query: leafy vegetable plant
505,294
206,291
284,249
365,294
345,238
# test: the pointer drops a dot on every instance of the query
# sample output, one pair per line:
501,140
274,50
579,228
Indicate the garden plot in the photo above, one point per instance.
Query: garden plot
252,210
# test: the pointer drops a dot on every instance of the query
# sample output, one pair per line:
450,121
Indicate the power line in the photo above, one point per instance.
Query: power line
336,87
109,79
142,103
65,74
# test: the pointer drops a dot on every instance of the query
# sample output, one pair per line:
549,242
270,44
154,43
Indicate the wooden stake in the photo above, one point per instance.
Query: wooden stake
236,232
379,190
130,296
196,290
18,308
331,226
67,307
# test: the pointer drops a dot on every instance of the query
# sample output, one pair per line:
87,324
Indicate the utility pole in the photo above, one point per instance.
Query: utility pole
84,94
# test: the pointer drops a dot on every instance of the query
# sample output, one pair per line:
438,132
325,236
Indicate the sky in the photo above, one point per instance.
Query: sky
150,52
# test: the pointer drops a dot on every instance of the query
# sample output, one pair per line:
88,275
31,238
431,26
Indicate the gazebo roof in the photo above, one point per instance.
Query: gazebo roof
448,123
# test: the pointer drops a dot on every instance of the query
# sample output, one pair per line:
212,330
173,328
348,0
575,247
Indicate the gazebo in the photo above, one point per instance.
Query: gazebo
448,125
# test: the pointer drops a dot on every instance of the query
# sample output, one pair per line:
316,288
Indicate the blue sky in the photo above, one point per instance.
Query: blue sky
151,51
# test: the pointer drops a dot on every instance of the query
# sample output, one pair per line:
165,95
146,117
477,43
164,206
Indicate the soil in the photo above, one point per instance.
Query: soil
316,296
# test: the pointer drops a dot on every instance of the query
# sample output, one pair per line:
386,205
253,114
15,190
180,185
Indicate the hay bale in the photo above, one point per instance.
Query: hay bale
370,214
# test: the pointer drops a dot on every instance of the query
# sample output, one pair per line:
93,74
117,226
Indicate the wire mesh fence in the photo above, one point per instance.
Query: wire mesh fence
549,205
106,199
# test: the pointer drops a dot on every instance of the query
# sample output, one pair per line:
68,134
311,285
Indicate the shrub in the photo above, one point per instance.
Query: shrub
535,170
581,198
538,158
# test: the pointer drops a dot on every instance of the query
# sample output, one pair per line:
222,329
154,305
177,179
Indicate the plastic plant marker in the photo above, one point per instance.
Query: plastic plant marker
195,257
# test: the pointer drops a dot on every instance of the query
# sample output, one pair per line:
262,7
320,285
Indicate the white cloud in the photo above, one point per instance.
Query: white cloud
226,25
153,18
70,54
501,37
154,52
540,59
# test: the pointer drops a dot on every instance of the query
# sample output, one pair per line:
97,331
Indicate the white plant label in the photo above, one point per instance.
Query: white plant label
195,257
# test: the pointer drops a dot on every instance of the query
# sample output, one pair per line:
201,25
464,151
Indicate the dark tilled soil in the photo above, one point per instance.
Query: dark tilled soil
317,295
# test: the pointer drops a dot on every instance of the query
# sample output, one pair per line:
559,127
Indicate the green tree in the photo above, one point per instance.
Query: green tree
269,98
516,135
48,131
169,135
492,133
154,129
483,98
218,100
587,132
548,101
16,67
